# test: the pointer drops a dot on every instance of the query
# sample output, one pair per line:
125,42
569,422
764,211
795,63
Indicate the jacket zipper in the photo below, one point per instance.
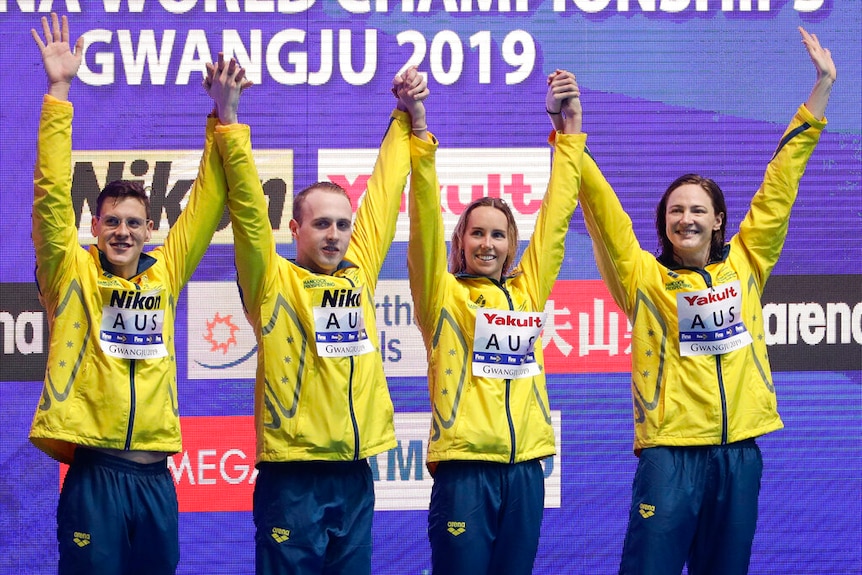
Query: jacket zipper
353,412
509,386
718,373
133,401
350,400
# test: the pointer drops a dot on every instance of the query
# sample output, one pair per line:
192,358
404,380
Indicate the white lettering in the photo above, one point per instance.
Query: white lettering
788,323
23,334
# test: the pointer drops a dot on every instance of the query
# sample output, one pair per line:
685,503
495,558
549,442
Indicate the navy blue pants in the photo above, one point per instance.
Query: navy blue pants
485,518
313,517
117,517
695,505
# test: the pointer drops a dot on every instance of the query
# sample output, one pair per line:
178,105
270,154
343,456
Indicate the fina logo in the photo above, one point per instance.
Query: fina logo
221,335
221,342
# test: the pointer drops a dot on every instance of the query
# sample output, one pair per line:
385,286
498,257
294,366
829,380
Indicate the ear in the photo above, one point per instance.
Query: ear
719,219
94,222
294,228
149,233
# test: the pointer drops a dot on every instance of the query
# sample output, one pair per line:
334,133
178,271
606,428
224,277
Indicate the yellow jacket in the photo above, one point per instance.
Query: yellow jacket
307,406
713,398
89,397
498,419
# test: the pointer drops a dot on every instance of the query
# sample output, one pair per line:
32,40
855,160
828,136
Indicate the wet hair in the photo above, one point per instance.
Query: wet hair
300,197
457,261
120,190
719,206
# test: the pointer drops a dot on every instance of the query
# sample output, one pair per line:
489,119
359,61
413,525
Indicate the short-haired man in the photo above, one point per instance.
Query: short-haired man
109,401
322,404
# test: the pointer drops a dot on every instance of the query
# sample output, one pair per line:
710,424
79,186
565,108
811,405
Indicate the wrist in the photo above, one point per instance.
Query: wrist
59,90
418,122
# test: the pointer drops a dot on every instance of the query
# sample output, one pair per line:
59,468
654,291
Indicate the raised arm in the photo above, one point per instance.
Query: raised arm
376,217
426,249
615,247
543,257
55,236
254,242
190,236
762,231
826,74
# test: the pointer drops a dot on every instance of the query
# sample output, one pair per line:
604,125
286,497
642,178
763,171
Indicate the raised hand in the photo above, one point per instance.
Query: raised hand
563,101
826,74
60,61
821,56
224,83
411,89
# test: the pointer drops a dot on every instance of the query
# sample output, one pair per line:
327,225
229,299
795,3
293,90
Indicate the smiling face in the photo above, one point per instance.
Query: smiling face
690,221
486,242
322,230
121,229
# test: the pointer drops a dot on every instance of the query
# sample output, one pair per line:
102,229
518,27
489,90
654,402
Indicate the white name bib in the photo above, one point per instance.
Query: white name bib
132,325
503,343
339,328
710,321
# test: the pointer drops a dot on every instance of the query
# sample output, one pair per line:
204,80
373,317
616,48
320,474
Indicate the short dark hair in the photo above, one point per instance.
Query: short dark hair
457,261
715,194
122,189
299,198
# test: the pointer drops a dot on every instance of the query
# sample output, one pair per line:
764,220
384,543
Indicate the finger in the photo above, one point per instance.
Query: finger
46,30
420,83
210,74
55,28
79,45
37,38
64,33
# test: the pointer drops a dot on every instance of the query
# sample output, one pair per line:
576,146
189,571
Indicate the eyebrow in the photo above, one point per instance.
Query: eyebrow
328,219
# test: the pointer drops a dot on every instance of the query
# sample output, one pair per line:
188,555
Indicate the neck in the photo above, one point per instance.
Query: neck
692,260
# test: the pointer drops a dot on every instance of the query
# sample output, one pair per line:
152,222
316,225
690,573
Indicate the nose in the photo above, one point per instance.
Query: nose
486,241
122,227
332,232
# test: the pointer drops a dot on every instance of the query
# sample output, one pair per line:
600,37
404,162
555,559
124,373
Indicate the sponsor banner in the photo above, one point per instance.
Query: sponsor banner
215,471
23,333
814,323
222,344
168,176
518,175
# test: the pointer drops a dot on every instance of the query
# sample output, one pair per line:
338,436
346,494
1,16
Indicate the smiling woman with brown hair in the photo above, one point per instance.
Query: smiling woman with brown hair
701,385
